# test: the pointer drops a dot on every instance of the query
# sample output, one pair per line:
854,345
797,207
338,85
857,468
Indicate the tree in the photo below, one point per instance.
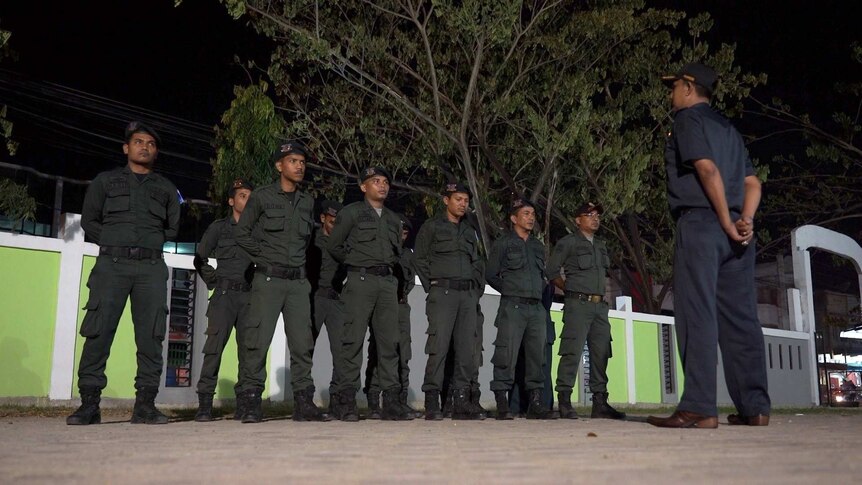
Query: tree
829,165
15,203
559,101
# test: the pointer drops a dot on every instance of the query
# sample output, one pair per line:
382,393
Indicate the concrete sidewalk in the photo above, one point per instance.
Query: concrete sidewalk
806,448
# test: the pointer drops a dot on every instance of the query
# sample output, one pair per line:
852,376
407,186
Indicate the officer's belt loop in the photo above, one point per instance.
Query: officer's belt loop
282,272
585,297
452,284
130,252
523,301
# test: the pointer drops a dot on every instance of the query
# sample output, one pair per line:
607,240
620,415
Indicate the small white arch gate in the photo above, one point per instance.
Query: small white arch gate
802,239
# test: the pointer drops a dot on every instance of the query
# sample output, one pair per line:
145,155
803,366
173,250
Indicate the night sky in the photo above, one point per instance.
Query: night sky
179,64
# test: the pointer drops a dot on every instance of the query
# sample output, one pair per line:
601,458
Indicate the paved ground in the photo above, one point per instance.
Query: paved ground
807,448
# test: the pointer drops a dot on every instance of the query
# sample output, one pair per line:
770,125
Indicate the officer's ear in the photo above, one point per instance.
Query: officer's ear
125,148
278,166
513,218
230,201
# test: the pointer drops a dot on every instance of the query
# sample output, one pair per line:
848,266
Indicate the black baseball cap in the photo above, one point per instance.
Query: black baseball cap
330,207
518,203
455,187
588,207
694,72
139,127
374,171
239,183
291,147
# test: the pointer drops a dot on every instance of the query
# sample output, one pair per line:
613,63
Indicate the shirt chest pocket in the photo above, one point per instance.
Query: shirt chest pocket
366,232
157,203
395,236
515,257
586,258
444,242
273,220
226,248
118,200
304,226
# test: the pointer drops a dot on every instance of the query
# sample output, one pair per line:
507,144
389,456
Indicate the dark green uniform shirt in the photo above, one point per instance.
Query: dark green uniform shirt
407,280
275,226
121,211
362,238
585,263
332,273
448,250
517,267
219,241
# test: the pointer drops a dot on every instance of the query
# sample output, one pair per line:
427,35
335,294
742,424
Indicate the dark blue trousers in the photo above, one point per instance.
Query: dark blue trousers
715,304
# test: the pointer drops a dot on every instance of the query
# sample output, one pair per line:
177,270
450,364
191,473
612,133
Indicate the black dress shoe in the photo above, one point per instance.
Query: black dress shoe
739,420
684,419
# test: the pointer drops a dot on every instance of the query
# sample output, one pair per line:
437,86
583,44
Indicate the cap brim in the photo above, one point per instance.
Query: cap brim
669,79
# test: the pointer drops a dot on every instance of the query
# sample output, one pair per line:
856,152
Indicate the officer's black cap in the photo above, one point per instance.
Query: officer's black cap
694,72
239,183
455,187
330,207
138,127
588,207
518,203
374,171
291,147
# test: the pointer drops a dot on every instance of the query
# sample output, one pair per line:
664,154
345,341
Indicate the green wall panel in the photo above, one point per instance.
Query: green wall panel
29,302
617,381
647,363
122,363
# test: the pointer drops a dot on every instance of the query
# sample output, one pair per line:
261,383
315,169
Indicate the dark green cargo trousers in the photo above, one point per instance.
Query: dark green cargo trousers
370,298
226,310
405,353
329,311
271,296
517,322
112,281
452,317
584,321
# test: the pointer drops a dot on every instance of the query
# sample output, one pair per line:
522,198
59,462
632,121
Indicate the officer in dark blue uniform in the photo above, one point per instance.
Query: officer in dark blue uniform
713,194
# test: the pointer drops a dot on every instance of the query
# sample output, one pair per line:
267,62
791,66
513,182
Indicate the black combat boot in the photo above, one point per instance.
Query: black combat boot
253,406
402,399
537,409
347,406
461,407
475,395
432,406
603,410
391,409
448,404
564,402
240,406
205,408
145,411
373,404
88,412
503,412
304,408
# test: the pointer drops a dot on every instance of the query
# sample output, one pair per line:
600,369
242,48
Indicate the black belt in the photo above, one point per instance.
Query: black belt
233,285
585,297
523,301
460,285
130,253
283,272
328,293
381,270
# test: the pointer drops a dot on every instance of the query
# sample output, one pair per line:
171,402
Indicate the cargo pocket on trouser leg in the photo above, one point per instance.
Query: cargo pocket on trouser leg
431,341
501,356
160,323
213,342
91,326
251,329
